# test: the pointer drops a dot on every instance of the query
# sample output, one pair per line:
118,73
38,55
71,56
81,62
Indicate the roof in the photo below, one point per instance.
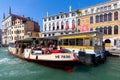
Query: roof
14,16
36,38
82,8
80,33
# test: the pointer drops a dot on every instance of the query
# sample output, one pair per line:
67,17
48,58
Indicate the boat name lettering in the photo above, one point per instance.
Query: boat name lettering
62,56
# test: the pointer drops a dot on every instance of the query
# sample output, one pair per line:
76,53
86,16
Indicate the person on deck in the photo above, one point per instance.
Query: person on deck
46,51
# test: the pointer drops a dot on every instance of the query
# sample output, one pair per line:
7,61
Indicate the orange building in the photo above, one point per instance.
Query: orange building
15,27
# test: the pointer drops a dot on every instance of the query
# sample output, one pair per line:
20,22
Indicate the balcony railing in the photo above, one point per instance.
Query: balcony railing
31,36
27,36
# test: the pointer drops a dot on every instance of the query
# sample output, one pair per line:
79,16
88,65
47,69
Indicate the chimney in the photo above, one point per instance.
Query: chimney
28,18
9,10
3,15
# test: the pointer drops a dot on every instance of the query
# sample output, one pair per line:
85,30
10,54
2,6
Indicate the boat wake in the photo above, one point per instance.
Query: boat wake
17,73
10,61
5,50
4,60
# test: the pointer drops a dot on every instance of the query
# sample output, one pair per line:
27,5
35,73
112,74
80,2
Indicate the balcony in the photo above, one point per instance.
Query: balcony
63,30
5,36
27,36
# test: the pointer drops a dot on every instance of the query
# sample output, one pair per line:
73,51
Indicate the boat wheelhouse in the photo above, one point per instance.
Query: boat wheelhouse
88,46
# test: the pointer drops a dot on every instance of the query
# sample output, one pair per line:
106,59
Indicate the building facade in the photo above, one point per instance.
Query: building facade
15,27
105,18
59,24
6,22
0,37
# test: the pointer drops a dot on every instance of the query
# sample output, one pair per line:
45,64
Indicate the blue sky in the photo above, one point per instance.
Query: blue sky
37,9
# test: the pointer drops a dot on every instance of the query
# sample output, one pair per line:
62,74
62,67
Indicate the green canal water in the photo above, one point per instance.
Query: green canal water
12,68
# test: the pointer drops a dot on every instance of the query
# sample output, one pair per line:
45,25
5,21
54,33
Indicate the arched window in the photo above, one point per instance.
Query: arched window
78,30
109,7
67,25
45,35
49,26
91,19
97,18
11,38
61,33
105,17
78,22
105,8
101,29
105,30
115,6
73,24
49,34
91,29
53,34
62,25
101,18
116,15
110,17
109,30
96,29
116,29
45,27
53,26
57,25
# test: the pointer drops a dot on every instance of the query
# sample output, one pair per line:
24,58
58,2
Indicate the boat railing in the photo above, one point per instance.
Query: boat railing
36,51
42,51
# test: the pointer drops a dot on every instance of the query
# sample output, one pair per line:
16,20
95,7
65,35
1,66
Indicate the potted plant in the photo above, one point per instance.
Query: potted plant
78,12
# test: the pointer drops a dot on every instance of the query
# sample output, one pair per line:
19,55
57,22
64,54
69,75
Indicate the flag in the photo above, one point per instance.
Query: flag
85,28
73,26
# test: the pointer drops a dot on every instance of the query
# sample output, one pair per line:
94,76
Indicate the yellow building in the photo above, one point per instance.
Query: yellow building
105,18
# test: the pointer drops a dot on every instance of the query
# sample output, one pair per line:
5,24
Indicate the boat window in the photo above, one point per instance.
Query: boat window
79,42
91,42
88,42
65,42
72,42
11,44
60,42
98,42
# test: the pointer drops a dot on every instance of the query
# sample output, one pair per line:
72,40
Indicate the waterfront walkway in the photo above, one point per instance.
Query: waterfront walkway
114,52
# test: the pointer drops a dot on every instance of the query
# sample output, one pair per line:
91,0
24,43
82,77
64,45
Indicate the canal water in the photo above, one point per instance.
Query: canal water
12,68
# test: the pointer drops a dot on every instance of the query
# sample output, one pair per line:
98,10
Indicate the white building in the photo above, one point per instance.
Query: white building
6,22
103,17
59,24
0,37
